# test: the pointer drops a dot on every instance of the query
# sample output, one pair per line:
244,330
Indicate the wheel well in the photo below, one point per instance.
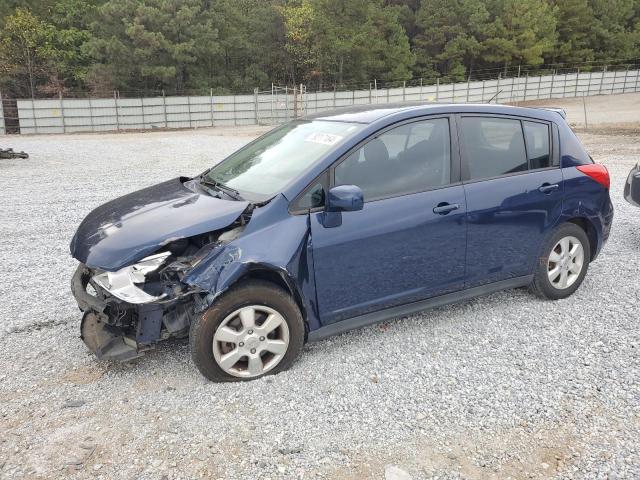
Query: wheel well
277,279
590,230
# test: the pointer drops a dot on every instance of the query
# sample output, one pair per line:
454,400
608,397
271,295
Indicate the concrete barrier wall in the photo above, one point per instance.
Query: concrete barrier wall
63,115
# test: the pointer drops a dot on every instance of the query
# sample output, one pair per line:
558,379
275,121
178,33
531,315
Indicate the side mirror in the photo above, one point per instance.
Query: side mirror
345,198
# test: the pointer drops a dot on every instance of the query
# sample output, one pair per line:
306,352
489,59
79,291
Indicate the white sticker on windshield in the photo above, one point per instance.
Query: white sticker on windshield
323,138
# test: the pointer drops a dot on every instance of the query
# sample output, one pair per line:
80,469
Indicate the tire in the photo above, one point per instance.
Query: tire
543,286
228,323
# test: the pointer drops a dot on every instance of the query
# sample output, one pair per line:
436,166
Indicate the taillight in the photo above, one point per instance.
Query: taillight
598,172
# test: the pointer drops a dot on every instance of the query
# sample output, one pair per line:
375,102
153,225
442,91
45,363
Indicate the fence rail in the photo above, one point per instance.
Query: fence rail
65,115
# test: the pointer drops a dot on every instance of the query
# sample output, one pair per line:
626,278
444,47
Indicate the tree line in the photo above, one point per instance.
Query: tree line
231,46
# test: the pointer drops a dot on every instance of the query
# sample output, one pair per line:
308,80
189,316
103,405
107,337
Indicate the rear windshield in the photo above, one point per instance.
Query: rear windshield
264,167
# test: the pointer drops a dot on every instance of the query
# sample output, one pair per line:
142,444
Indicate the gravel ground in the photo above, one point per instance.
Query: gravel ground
501,386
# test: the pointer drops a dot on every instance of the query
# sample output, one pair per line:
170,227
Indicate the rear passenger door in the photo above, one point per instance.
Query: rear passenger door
513,186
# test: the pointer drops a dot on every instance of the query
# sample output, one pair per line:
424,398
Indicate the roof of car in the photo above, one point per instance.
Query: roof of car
372,113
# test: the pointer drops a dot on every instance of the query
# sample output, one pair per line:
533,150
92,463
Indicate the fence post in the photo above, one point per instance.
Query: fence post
93,127
369,93
33,113
635,88
577,80
584,106
255,104
538,91
189,110
553,77
235,115
115,101
420,88
468,88
210,106
164,110
453,93
144,123
437,89
624,87
526,85
272,101
615,77
295,102
375,88
589,84
604,69
498,88
388,95
482,98
404,88
353,97
334,97
64,126
564,85
286,102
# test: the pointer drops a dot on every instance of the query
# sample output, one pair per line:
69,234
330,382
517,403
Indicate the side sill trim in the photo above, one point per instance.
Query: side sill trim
414,307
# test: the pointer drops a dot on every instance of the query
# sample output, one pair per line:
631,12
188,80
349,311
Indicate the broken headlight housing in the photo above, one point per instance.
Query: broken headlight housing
125,283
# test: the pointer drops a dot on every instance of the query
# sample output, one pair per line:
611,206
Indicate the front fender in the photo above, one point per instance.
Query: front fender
273,241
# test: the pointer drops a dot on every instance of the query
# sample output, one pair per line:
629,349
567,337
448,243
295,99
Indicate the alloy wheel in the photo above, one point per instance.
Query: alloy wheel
251,341
565,263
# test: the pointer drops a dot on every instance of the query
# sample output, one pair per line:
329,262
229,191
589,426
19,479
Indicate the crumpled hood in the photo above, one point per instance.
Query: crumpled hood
131,227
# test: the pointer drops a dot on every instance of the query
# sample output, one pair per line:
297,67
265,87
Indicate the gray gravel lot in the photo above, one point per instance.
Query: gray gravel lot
502,386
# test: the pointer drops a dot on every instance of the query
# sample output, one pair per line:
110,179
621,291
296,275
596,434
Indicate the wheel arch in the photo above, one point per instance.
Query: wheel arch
590,229
280,279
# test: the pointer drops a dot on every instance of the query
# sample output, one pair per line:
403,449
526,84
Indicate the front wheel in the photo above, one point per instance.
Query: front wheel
563,264
253,330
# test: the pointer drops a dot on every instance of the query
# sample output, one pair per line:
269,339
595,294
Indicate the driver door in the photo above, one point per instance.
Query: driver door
408,242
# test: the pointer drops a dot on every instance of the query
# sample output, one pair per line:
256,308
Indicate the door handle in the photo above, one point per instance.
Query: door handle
443,208
547,188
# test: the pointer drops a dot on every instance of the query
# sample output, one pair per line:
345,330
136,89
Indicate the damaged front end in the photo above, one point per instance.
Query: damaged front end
127,311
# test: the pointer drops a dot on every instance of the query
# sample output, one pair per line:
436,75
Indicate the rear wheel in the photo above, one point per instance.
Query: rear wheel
253,330
563,264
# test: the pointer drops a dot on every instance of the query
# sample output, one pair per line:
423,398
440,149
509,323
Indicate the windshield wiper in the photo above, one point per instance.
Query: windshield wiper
233,193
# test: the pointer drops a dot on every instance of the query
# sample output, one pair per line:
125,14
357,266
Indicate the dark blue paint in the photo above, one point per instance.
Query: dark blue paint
392,252
343,264
134,226
345,198
507,220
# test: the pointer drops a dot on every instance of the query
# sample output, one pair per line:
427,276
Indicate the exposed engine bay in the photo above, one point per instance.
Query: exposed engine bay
127,311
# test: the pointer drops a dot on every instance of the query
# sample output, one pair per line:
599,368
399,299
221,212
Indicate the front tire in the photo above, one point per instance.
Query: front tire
254,329
563,264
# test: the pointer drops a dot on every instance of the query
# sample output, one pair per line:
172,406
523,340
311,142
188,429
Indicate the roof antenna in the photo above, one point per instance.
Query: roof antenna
495,96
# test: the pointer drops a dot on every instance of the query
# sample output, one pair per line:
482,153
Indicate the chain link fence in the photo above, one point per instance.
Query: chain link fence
66,115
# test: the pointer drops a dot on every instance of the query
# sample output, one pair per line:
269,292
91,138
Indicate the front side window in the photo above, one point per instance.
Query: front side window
493,147
410,158
537,138
263,168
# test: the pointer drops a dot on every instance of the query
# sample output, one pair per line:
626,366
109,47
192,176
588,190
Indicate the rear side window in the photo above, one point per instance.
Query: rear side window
493,147
537,138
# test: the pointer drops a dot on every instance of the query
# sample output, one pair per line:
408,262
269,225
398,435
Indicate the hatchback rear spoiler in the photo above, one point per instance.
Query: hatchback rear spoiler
560,111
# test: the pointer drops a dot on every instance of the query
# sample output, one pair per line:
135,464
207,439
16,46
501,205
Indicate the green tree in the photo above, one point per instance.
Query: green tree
335,41
450,35
575,27
520,33
27,53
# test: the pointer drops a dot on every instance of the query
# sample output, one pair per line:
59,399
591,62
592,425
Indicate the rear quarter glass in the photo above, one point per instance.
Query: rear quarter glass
572,153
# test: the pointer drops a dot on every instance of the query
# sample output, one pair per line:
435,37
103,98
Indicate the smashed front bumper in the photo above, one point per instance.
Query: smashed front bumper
117,330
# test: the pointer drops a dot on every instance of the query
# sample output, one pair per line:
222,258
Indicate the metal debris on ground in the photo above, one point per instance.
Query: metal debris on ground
9,153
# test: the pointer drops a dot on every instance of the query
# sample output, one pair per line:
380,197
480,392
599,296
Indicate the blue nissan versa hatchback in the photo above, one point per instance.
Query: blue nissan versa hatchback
338,221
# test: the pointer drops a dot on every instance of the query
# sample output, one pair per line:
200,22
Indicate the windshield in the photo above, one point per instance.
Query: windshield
265,166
